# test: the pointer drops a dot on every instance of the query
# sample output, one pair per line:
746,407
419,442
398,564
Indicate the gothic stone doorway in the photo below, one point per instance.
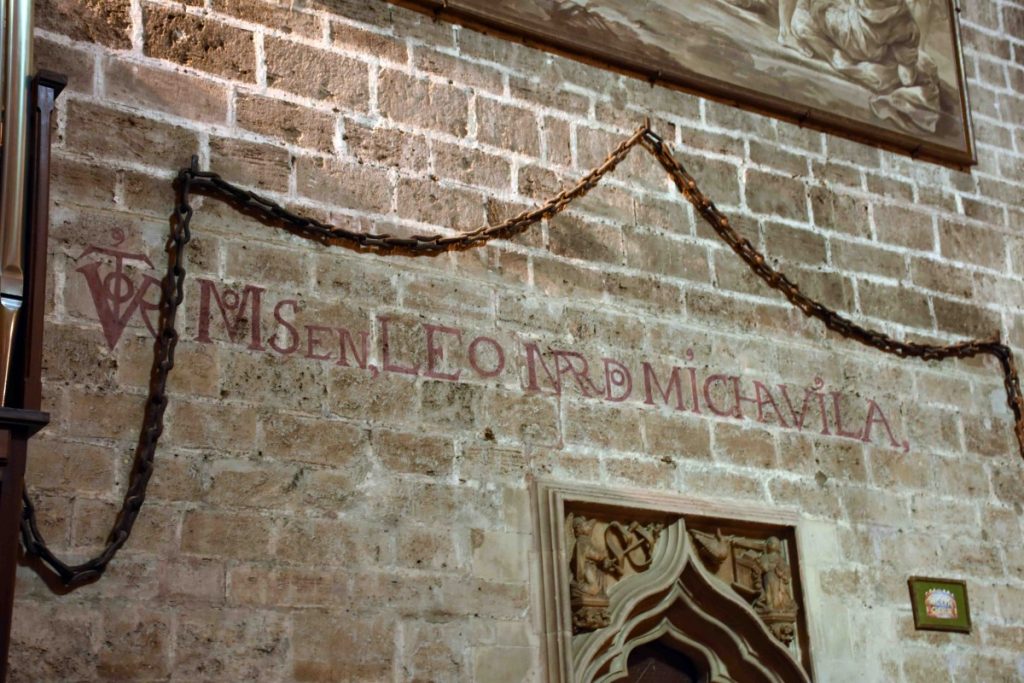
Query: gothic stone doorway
642,587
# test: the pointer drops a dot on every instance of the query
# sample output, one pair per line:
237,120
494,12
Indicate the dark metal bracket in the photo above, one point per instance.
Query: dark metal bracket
21,418
27,422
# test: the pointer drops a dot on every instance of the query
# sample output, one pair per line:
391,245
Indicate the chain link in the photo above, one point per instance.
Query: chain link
839,324
252,203
191,180
172,293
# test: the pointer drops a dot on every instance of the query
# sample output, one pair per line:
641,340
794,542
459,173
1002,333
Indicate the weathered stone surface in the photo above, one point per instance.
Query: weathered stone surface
65,464
283,17
76,64
900,305
348,186
329,646
200,43
317,74
287,121
414,454
254,642
262,166
508,663
971,243
508,127
227,535
388,147
840,212
423,103
166,91
481,76
575,237
904,227
107,22
776,195
717,178
427,202
472,167
138,139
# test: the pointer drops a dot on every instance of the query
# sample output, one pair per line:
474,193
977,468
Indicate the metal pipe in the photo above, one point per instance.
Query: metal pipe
3,64
17,63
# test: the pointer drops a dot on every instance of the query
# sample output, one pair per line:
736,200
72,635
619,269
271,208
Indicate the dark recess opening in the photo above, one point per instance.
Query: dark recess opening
658,663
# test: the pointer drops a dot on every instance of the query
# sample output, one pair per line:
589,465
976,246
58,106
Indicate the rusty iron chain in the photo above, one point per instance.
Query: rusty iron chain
172,293
250,202
832,320
191,180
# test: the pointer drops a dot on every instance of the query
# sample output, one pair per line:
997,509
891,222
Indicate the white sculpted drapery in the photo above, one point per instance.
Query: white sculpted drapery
876,43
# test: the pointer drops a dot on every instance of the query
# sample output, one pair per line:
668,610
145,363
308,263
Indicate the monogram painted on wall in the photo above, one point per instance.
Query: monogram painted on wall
888,72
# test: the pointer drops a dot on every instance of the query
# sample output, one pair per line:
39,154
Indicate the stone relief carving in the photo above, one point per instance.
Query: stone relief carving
620,570
600,554
759,571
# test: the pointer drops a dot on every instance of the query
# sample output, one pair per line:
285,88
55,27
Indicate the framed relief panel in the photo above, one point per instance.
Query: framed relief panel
884,72
642,586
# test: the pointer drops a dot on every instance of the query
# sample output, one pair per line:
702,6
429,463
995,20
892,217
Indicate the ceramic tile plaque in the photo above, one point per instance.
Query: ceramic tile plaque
940,604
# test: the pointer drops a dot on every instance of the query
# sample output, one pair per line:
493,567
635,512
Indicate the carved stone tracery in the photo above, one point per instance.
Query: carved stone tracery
601,554
626,571
678,602
759,571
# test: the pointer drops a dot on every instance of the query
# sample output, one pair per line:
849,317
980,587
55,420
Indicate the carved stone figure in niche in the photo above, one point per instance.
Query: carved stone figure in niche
715,549
775,602
758,571
588,565
599,555
775,591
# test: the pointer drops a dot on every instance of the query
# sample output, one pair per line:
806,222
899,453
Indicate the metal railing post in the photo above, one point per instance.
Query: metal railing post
17,63
20,417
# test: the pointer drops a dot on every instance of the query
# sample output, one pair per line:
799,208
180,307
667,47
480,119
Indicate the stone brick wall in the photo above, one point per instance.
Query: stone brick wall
343,489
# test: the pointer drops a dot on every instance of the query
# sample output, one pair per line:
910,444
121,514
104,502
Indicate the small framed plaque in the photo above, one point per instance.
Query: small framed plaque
940,604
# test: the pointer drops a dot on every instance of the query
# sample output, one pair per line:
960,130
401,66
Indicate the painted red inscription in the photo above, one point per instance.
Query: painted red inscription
244,317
